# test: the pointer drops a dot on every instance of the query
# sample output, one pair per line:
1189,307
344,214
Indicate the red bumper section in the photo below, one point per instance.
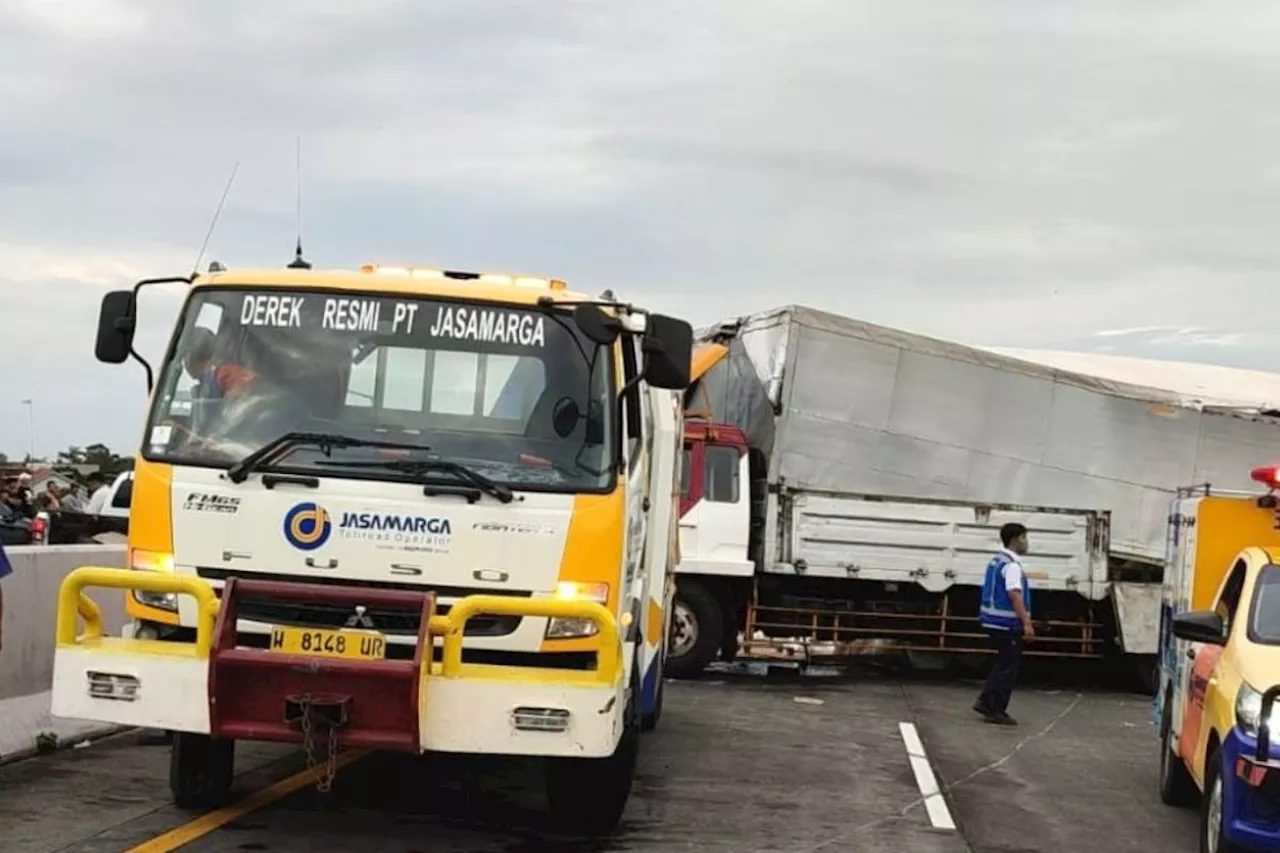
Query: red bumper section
258,694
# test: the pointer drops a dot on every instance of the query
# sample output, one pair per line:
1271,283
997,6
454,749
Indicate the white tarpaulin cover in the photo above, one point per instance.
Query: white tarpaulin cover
845,405
1198,385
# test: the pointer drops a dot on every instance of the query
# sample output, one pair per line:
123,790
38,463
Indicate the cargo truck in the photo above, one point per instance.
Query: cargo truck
397,508
844,483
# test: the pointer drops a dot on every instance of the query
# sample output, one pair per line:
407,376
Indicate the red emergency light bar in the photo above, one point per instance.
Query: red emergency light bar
1268,475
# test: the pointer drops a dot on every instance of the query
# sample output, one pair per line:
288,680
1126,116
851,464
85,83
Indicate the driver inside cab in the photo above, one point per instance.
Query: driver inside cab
214,383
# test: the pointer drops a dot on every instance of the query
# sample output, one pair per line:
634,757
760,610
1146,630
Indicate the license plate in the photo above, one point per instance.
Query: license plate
326,643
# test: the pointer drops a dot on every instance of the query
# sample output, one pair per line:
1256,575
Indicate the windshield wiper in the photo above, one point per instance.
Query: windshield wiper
420,467
240,471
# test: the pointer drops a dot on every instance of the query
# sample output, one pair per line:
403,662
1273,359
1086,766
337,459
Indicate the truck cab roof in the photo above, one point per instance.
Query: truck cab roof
409,281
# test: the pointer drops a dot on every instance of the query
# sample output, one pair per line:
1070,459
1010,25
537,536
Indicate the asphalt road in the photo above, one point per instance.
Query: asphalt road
738,763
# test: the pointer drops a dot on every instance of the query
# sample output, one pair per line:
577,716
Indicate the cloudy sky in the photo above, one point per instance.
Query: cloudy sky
1081,175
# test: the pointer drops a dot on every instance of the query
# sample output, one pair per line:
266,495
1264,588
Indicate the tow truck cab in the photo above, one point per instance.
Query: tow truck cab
1220,665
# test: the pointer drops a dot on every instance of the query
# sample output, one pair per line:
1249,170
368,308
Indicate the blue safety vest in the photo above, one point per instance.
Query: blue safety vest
997,610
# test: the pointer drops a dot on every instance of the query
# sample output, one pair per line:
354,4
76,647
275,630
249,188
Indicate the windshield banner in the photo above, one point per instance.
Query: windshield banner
412,319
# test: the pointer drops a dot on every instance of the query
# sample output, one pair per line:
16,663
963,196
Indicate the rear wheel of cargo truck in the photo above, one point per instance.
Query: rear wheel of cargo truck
1177,788
587,796
200,770
697,629
1146,673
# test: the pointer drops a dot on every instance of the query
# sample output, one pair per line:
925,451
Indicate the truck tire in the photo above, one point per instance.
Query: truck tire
200,770
697,629
1211,809
587,796
1177,788
1146,673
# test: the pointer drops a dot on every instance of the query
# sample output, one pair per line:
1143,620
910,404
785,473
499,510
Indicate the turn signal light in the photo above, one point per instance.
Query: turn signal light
1268,475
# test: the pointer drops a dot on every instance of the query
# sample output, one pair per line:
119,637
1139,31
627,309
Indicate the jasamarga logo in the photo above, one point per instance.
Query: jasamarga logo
410,532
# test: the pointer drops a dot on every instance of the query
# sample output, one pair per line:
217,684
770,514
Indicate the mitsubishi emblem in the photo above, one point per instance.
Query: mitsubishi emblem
359,620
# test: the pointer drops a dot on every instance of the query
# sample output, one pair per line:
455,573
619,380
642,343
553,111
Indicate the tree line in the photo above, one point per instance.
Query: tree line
76,459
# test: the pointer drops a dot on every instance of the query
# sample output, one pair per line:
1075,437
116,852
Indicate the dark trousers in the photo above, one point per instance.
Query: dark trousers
998,688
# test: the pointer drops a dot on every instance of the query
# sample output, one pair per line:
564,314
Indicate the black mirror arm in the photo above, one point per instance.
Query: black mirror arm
620,412
129,324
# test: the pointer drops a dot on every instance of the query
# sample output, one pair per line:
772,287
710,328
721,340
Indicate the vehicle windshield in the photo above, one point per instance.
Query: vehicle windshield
1264,621
520,397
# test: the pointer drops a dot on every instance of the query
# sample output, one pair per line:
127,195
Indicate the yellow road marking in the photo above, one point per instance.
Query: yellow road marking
207,823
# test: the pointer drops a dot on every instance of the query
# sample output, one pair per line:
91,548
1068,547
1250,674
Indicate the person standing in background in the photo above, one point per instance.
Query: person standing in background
21,498
98,491
1006,616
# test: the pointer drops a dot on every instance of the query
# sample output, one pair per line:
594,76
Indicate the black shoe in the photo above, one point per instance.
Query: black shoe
981,708
1000,719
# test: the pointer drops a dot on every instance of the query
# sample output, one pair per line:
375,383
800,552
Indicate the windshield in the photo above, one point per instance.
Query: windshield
508,391
1264,621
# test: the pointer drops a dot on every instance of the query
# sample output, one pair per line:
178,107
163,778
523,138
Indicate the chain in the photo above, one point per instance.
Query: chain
307,743
331,763
325,781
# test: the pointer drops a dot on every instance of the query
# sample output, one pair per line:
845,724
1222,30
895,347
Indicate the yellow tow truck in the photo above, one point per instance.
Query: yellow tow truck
394,508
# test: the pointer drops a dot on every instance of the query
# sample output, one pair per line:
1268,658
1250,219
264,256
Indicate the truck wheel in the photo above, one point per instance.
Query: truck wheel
1212,817
1177,788
200,770
1146,673
586,796
697,628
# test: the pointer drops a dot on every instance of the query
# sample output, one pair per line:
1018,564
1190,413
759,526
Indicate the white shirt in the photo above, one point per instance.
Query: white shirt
1012,571
98,500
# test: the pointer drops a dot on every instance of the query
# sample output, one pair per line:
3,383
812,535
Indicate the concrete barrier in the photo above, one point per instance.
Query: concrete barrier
26,654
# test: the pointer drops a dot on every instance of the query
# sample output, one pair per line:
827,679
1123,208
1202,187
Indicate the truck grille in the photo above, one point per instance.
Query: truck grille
388,620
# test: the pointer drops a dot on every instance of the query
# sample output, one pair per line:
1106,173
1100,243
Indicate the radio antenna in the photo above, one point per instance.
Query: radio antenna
298,263
213,222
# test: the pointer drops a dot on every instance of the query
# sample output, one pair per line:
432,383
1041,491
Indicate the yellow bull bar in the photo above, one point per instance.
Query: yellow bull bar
73,603
608,656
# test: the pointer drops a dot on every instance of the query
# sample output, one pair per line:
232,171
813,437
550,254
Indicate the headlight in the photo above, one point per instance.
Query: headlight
1249,708
153,561
566,629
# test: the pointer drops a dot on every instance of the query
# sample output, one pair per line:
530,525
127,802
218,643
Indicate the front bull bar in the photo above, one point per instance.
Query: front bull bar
245,693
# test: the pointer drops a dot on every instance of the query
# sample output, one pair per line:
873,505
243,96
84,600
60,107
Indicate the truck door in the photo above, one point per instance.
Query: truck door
690,497
724,520
1204,663
636,415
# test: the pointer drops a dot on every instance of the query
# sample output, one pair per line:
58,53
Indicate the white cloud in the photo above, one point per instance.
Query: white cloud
31,264
996,172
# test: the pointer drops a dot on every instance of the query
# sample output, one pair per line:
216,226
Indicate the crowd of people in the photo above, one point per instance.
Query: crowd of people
89,499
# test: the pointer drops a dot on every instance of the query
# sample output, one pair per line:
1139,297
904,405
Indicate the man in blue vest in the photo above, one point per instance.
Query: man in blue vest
1006,616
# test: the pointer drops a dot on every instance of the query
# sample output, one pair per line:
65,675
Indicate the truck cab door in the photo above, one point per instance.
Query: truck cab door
724,520
1201,674
636,425
690,497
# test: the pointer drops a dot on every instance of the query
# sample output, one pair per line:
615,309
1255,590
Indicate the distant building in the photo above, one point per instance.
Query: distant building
42,477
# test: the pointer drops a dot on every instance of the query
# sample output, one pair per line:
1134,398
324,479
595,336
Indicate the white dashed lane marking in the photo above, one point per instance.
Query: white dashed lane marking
935,804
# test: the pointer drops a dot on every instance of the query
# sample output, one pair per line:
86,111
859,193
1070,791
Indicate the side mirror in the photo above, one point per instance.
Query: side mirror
668,349
597,325
116,322
1200,626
